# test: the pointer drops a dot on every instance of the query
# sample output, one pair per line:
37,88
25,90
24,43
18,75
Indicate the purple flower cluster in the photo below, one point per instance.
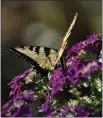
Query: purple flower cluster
28,97
17,84
73,111
77,111
77,69
76,49
82,71
47,106
82,61
57,81
20,105
21,96
92,44
16,108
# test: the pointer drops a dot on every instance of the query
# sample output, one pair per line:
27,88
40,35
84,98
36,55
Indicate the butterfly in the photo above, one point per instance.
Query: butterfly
46,58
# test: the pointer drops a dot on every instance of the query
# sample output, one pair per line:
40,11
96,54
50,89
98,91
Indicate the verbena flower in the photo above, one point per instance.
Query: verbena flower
22,95
18,85
82,71
29,96
93,44
19,106
73,91
80,65
46,107
16,108
57,81
77,68
73,111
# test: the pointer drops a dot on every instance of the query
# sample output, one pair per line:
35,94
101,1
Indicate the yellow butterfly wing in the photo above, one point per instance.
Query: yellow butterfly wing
44,57
63,45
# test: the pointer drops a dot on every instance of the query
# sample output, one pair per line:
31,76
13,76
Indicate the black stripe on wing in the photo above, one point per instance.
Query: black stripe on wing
31,48
36,49
47,51
23,56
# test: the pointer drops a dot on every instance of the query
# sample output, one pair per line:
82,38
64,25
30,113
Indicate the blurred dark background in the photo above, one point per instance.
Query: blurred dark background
42,23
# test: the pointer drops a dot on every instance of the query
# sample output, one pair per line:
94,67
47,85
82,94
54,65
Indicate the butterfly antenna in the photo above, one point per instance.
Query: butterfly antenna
58,41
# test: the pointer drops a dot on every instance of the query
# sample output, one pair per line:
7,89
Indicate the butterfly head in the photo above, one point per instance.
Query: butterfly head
51,68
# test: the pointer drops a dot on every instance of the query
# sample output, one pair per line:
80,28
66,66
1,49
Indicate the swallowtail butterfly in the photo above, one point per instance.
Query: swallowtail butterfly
46,58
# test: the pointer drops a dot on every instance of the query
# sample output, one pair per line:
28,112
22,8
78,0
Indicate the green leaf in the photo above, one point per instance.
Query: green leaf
85,55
